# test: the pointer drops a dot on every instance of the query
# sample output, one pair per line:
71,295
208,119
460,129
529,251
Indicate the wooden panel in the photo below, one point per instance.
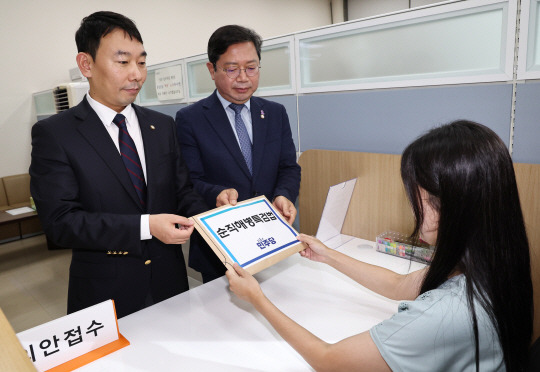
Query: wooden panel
3,197
17,188
528,180
320,170
31,226
12,355
9,231
379,202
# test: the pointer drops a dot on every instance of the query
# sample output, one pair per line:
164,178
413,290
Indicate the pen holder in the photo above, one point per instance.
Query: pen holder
400,245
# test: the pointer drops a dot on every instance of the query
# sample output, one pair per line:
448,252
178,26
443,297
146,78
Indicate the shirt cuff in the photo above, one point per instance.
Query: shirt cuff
145,227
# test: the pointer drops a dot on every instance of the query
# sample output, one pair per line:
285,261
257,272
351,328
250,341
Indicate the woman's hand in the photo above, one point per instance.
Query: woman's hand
316,250
243,284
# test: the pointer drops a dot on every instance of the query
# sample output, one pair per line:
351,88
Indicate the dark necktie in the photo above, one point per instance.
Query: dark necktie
243,136
130,156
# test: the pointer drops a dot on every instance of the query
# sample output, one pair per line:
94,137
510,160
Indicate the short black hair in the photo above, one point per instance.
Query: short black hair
226,36
100,24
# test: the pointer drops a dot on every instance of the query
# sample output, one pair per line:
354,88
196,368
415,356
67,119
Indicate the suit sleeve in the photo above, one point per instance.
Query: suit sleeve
190,202
192,156
288,179
55,188
201,256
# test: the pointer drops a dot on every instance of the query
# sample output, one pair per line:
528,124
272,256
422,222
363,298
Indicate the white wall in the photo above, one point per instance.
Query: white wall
38,46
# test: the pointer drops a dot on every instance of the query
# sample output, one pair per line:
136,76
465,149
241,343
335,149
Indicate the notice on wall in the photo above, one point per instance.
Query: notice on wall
169,83
252,233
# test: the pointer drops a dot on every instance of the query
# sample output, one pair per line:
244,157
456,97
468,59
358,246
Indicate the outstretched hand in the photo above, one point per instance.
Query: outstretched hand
227,196
170,228
315,249
243,284
286,208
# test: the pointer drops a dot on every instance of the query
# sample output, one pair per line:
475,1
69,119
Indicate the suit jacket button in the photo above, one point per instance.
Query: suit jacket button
108,252
114,252
125,253
147,262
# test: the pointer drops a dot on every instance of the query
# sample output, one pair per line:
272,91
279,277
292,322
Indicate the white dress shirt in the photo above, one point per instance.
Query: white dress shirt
107,115
246,116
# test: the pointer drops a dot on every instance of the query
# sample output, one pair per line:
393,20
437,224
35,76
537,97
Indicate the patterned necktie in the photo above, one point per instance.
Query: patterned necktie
243,136
130,157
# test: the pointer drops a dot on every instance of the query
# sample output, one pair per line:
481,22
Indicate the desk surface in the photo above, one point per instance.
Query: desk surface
5,217
208,329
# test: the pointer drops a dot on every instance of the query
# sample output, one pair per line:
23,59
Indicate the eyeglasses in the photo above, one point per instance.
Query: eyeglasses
234,72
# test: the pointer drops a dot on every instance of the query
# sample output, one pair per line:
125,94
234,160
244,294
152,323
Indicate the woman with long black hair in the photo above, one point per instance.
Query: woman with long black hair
472,308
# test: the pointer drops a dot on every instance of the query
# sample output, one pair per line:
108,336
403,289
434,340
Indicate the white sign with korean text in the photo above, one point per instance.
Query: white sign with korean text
169,83
61,340
250,232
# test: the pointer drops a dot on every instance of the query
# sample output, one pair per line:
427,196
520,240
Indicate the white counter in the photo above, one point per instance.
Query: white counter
209,329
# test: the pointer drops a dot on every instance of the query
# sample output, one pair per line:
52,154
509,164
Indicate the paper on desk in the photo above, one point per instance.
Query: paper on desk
334,213
21,210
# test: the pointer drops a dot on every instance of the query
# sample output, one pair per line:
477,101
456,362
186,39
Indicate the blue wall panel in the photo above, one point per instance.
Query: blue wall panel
527,124
168,109
290,105
385,121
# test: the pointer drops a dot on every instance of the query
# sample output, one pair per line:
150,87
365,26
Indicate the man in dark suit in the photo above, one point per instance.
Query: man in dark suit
237,146
109,181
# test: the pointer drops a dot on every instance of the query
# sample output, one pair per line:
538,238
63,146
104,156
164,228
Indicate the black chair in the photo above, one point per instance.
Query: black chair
534,357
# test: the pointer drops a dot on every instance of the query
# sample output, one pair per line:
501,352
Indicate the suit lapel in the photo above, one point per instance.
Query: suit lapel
216,116
148,133
91,127
260,127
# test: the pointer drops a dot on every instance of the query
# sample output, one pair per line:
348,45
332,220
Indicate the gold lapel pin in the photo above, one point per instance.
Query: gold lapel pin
152,127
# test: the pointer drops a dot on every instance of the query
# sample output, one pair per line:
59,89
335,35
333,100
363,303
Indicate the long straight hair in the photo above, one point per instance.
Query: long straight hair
468,172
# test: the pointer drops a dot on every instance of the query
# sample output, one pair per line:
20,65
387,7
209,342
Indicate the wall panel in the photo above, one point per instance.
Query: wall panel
385,121
527,124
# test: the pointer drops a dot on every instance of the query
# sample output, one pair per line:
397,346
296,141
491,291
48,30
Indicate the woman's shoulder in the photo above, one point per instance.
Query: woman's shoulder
438,320
433,314
452,288
451,291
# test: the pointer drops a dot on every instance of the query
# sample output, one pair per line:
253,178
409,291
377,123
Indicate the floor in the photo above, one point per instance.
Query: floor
34,282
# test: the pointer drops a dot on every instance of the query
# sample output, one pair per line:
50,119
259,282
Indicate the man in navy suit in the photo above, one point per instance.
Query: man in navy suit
237,146
109,181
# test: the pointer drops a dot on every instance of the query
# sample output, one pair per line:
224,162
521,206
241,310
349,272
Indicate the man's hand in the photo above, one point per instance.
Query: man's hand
163,227
227,196
286,208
